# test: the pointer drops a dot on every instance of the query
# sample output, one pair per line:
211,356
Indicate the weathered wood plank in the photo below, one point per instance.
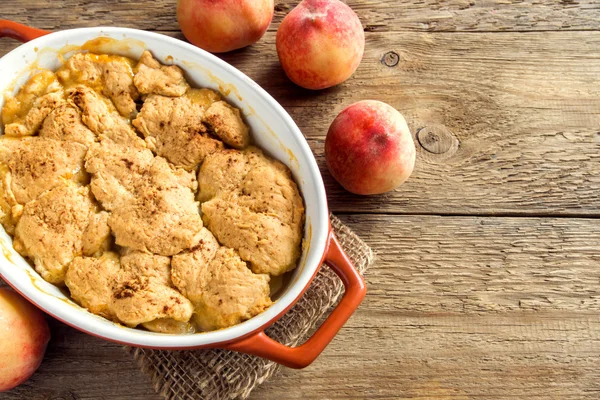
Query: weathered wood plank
376,15
393,355
522,112
521,109
78,366
463,308
431,264
458,308
453,358
7,45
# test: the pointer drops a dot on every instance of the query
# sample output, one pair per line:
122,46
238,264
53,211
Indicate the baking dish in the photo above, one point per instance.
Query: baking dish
273,130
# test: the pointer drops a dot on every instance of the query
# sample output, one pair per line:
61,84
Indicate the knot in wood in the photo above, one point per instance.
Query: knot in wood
390,59
436,139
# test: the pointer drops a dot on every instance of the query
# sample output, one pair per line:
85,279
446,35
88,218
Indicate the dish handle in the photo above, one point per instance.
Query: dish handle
259,344
20,32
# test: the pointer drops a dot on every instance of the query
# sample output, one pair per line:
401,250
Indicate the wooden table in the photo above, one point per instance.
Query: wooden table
487,280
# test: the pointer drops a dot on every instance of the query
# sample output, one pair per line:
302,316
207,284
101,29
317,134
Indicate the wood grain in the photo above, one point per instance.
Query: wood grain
79,366
522,112
375,15
453,358
486,279
464,308
458,308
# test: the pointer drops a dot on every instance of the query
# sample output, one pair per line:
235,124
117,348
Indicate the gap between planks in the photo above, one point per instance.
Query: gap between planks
466,215
367,30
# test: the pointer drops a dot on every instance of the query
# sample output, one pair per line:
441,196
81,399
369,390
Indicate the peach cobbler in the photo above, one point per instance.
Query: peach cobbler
143,196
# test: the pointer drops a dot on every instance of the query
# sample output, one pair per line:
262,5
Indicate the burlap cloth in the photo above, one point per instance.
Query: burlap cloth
216,374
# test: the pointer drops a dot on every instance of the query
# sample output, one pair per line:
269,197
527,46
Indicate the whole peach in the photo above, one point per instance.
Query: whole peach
224,25
320,43
24,335
369,148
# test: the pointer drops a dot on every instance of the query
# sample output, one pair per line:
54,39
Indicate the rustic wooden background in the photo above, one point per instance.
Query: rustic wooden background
487,281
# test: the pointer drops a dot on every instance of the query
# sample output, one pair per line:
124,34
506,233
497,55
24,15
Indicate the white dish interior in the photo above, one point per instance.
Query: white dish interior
272,129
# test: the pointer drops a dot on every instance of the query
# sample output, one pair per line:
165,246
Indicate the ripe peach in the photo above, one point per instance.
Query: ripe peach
320,43
24,335
224,25
369,148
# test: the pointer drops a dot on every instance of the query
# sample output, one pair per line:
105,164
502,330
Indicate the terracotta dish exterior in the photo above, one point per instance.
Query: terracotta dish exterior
273,130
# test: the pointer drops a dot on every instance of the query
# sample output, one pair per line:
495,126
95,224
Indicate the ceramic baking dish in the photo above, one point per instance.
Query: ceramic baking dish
273,130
